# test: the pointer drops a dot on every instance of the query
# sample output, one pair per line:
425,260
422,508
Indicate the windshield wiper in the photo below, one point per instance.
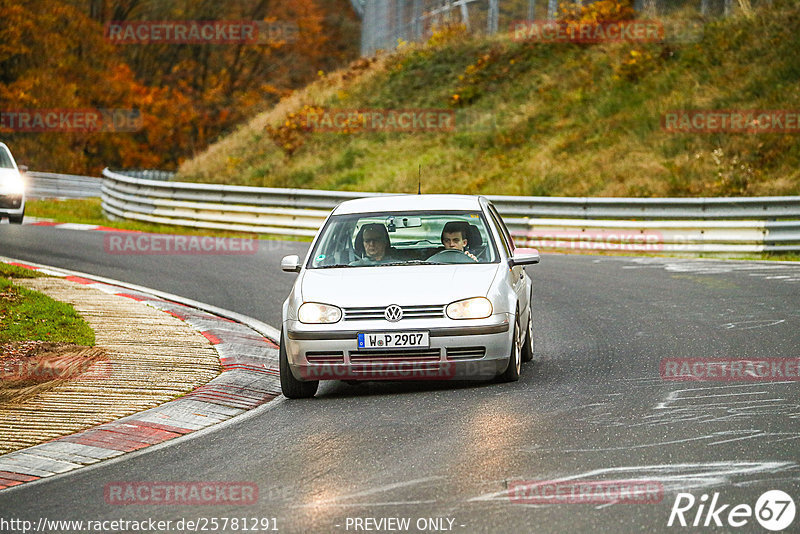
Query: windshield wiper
407,262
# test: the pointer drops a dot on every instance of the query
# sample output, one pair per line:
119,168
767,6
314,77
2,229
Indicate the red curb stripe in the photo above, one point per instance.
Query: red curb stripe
246,367
79,280
107,437
134,432
45,223
113,444
6,483
211,337
159,426
109,229
179,316
18,476
128,295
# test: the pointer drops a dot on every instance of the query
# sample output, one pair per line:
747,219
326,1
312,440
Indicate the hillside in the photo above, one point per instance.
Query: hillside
545,119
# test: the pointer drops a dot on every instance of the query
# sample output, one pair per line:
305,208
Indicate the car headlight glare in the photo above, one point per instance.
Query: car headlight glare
315,313
13,186
474,308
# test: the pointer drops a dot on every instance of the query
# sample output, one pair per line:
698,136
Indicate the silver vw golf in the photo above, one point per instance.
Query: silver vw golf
414,287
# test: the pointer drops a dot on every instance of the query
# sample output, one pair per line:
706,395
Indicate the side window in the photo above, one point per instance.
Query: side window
5,159
505,237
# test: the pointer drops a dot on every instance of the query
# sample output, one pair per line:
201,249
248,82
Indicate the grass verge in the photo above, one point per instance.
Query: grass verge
542,119
27,315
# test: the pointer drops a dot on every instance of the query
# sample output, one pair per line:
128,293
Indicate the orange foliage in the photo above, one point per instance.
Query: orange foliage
53,55
600,11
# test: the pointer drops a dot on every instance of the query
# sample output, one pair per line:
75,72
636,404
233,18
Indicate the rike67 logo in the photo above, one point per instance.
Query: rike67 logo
774,510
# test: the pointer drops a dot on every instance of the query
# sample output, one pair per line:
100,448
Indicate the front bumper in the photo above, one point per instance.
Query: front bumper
460,350
11,204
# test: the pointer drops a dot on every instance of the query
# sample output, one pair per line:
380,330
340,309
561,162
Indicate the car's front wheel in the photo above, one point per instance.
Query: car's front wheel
293,388
511,373
16,219
527,348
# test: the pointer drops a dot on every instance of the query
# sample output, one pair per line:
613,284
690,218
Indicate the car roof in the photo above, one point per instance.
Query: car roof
409,203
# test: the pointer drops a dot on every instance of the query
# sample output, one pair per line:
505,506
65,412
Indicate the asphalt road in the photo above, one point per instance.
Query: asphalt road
593,407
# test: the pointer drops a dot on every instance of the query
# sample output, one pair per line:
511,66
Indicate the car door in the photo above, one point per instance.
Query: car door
516,275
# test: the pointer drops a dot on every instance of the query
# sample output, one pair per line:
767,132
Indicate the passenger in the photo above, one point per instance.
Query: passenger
454,237
375,240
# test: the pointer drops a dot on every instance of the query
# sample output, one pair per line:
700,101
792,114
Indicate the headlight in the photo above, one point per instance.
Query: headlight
474,308
315,313
13,186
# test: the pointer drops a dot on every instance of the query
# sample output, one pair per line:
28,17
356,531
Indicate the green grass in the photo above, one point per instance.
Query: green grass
27,315
566,120
15,271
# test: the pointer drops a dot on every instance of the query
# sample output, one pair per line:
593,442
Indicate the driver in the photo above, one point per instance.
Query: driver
454,237
375,239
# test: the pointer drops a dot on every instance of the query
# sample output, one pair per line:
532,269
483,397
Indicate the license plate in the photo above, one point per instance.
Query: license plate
393,340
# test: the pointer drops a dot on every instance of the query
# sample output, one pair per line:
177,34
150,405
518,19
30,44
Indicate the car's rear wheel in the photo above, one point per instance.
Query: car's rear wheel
527,348
511,373
293,388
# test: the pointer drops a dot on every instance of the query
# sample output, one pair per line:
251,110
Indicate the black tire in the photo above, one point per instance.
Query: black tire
293,388
528,346
511,374
16,219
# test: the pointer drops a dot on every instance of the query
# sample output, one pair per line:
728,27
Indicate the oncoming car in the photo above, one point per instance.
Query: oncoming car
12,188
417,287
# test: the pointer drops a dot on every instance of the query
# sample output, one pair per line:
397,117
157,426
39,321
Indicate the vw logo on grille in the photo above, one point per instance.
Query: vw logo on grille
393,313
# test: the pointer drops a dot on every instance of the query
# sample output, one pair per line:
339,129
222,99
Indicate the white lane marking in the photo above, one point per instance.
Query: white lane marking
759,323
740,438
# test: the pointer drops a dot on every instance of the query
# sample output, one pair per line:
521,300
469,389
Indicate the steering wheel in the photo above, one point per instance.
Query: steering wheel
450,255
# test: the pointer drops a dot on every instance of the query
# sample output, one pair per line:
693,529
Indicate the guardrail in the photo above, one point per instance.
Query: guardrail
692,225
53,185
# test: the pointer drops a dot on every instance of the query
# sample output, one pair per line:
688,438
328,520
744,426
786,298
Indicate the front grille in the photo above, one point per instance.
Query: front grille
415,355
458,353
322,356
409,312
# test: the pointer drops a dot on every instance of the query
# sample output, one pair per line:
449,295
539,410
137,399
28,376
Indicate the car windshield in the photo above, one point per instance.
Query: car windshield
403,238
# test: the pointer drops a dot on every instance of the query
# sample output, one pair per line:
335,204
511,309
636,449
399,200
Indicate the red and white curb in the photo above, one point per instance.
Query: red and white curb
250,377
34,221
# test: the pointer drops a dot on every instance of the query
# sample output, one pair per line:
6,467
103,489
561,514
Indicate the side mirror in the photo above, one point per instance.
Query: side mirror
291,264
22,168
524,256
